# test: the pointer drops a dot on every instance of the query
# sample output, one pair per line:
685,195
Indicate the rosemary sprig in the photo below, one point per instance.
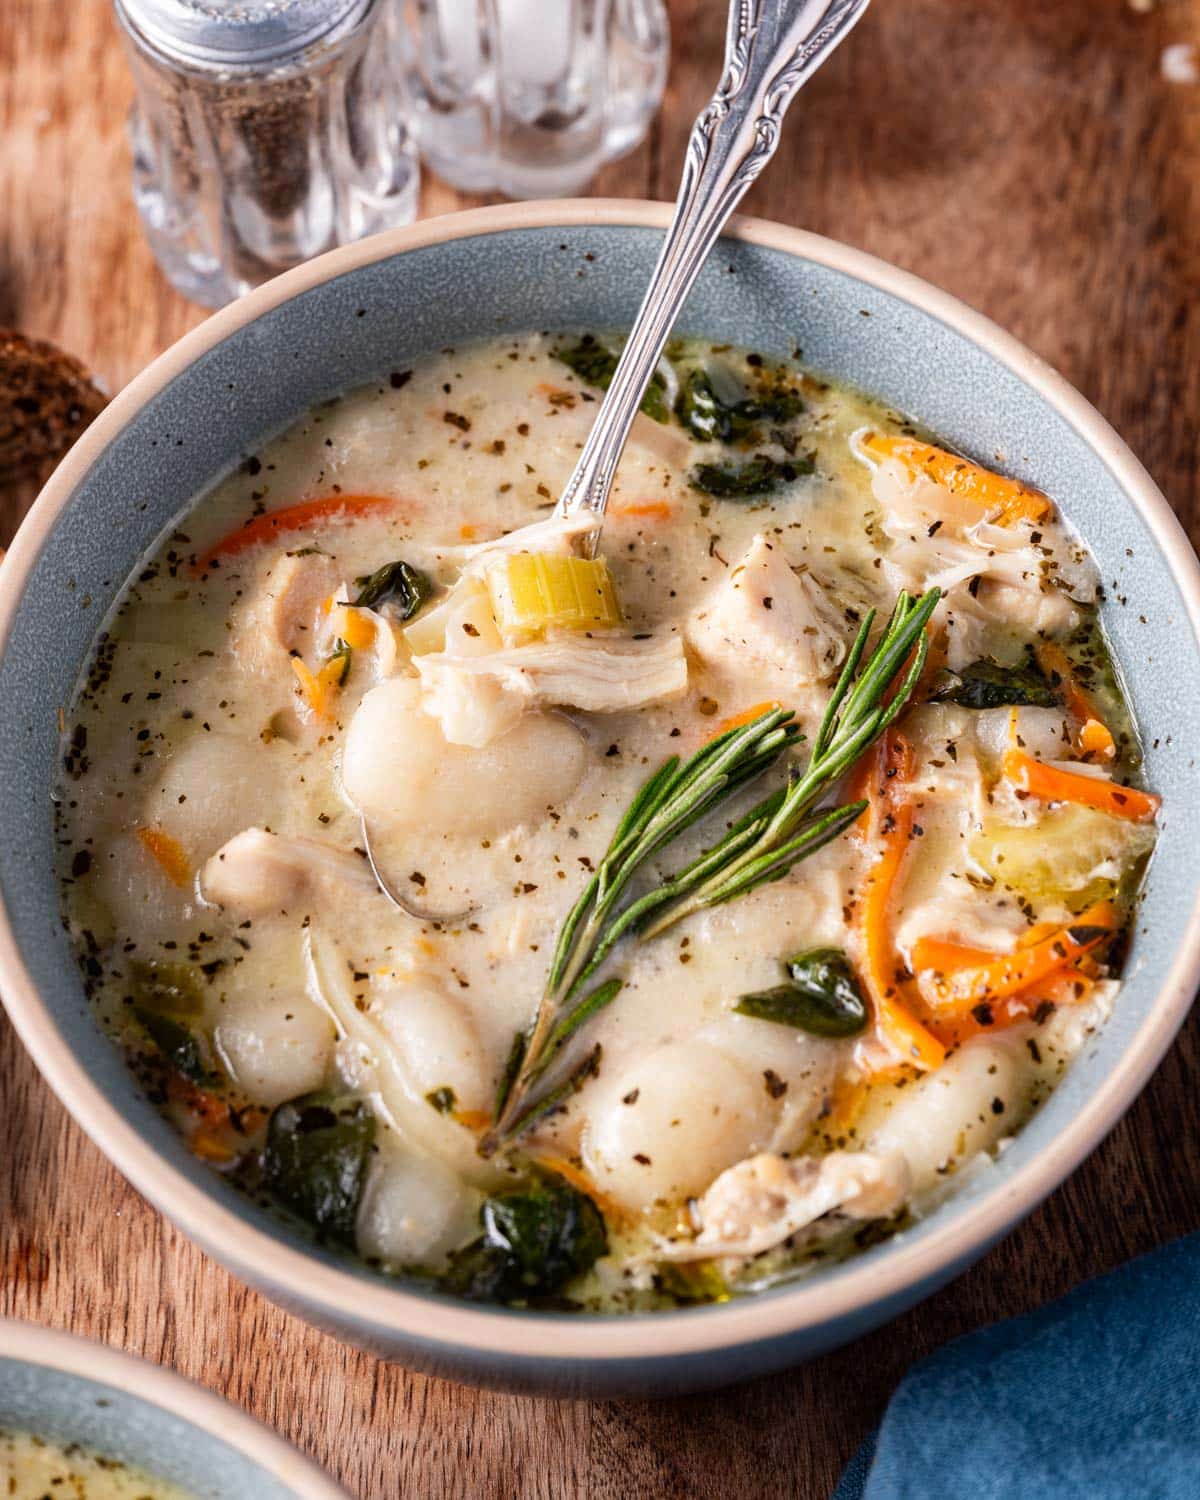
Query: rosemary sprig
674,798
857,713
782,829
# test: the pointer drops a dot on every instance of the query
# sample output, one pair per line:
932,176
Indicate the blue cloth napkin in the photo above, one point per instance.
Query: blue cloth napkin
1096,1397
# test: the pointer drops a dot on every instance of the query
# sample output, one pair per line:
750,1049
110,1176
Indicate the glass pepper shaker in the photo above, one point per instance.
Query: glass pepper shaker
531,97
264,132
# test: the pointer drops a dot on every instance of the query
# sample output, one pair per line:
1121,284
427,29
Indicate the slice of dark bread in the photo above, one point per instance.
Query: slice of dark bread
47,398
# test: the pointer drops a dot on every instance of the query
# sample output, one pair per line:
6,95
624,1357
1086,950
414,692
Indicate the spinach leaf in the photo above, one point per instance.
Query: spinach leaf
692,1281
823,996
596,365
534,1242
341,655
315,1159
987,684
760,475
180,1047
702,412
166,989
396,582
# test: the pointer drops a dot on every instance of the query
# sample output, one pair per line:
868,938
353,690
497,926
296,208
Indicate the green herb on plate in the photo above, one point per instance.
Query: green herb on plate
397,583
822,996
315,1159
595,365
534,1242
757,476
988,684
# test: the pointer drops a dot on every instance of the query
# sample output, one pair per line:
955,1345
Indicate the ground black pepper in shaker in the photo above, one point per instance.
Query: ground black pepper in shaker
264,132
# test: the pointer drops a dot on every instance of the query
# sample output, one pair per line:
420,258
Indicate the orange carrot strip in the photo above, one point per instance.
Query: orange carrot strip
891,826
858,786
650,510
209,1147
946,956
1004,500
310,688
209,1111
356,628
747,716
169,853
275,523
580,1180
318,689
961,978
1052,784
1068,987
1094,738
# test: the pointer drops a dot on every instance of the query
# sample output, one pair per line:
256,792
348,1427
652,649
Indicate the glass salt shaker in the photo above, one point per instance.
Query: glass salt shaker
531,97
264,132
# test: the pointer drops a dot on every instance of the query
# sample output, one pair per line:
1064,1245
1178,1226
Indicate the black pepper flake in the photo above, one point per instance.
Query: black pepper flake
776,1086
399,379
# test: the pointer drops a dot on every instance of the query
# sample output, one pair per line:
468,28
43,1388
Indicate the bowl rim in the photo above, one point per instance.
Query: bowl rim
72,1354
392,1313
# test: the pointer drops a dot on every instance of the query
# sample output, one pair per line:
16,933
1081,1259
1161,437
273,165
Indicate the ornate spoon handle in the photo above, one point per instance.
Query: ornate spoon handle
772,48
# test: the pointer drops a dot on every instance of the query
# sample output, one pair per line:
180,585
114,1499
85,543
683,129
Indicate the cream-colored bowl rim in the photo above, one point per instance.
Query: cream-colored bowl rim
228,1424
298,1279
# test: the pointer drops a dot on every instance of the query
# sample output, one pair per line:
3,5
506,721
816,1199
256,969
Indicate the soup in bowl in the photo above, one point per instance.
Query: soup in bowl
81,1420
730,917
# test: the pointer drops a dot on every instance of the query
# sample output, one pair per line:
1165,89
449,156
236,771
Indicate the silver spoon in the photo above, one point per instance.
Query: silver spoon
772,47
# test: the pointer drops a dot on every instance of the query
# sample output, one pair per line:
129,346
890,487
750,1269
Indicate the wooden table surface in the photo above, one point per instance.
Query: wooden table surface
1029,157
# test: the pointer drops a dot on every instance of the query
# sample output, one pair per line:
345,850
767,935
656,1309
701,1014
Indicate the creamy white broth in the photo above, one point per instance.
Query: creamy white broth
194,728
33,1467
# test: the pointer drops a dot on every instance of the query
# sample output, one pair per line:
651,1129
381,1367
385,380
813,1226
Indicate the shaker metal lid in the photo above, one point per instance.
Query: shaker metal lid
237,33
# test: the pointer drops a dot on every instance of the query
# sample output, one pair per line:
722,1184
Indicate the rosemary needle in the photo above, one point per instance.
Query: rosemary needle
779,831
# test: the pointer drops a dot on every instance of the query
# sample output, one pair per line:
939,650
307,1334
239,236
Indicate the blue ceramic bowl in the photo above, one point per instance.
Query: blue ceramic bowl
70,1390
366,309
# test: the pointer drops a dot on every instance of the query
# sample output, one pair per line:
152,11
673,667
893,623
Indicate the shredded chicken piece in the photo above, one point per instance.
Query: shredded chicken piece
285,615
258,872
771,616
765,1199
555,534
1028,574
477,698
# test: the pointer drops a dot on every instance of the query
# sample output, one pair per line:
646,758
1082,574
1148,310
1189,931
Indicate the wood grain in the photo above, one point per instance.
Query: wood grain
1029,158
